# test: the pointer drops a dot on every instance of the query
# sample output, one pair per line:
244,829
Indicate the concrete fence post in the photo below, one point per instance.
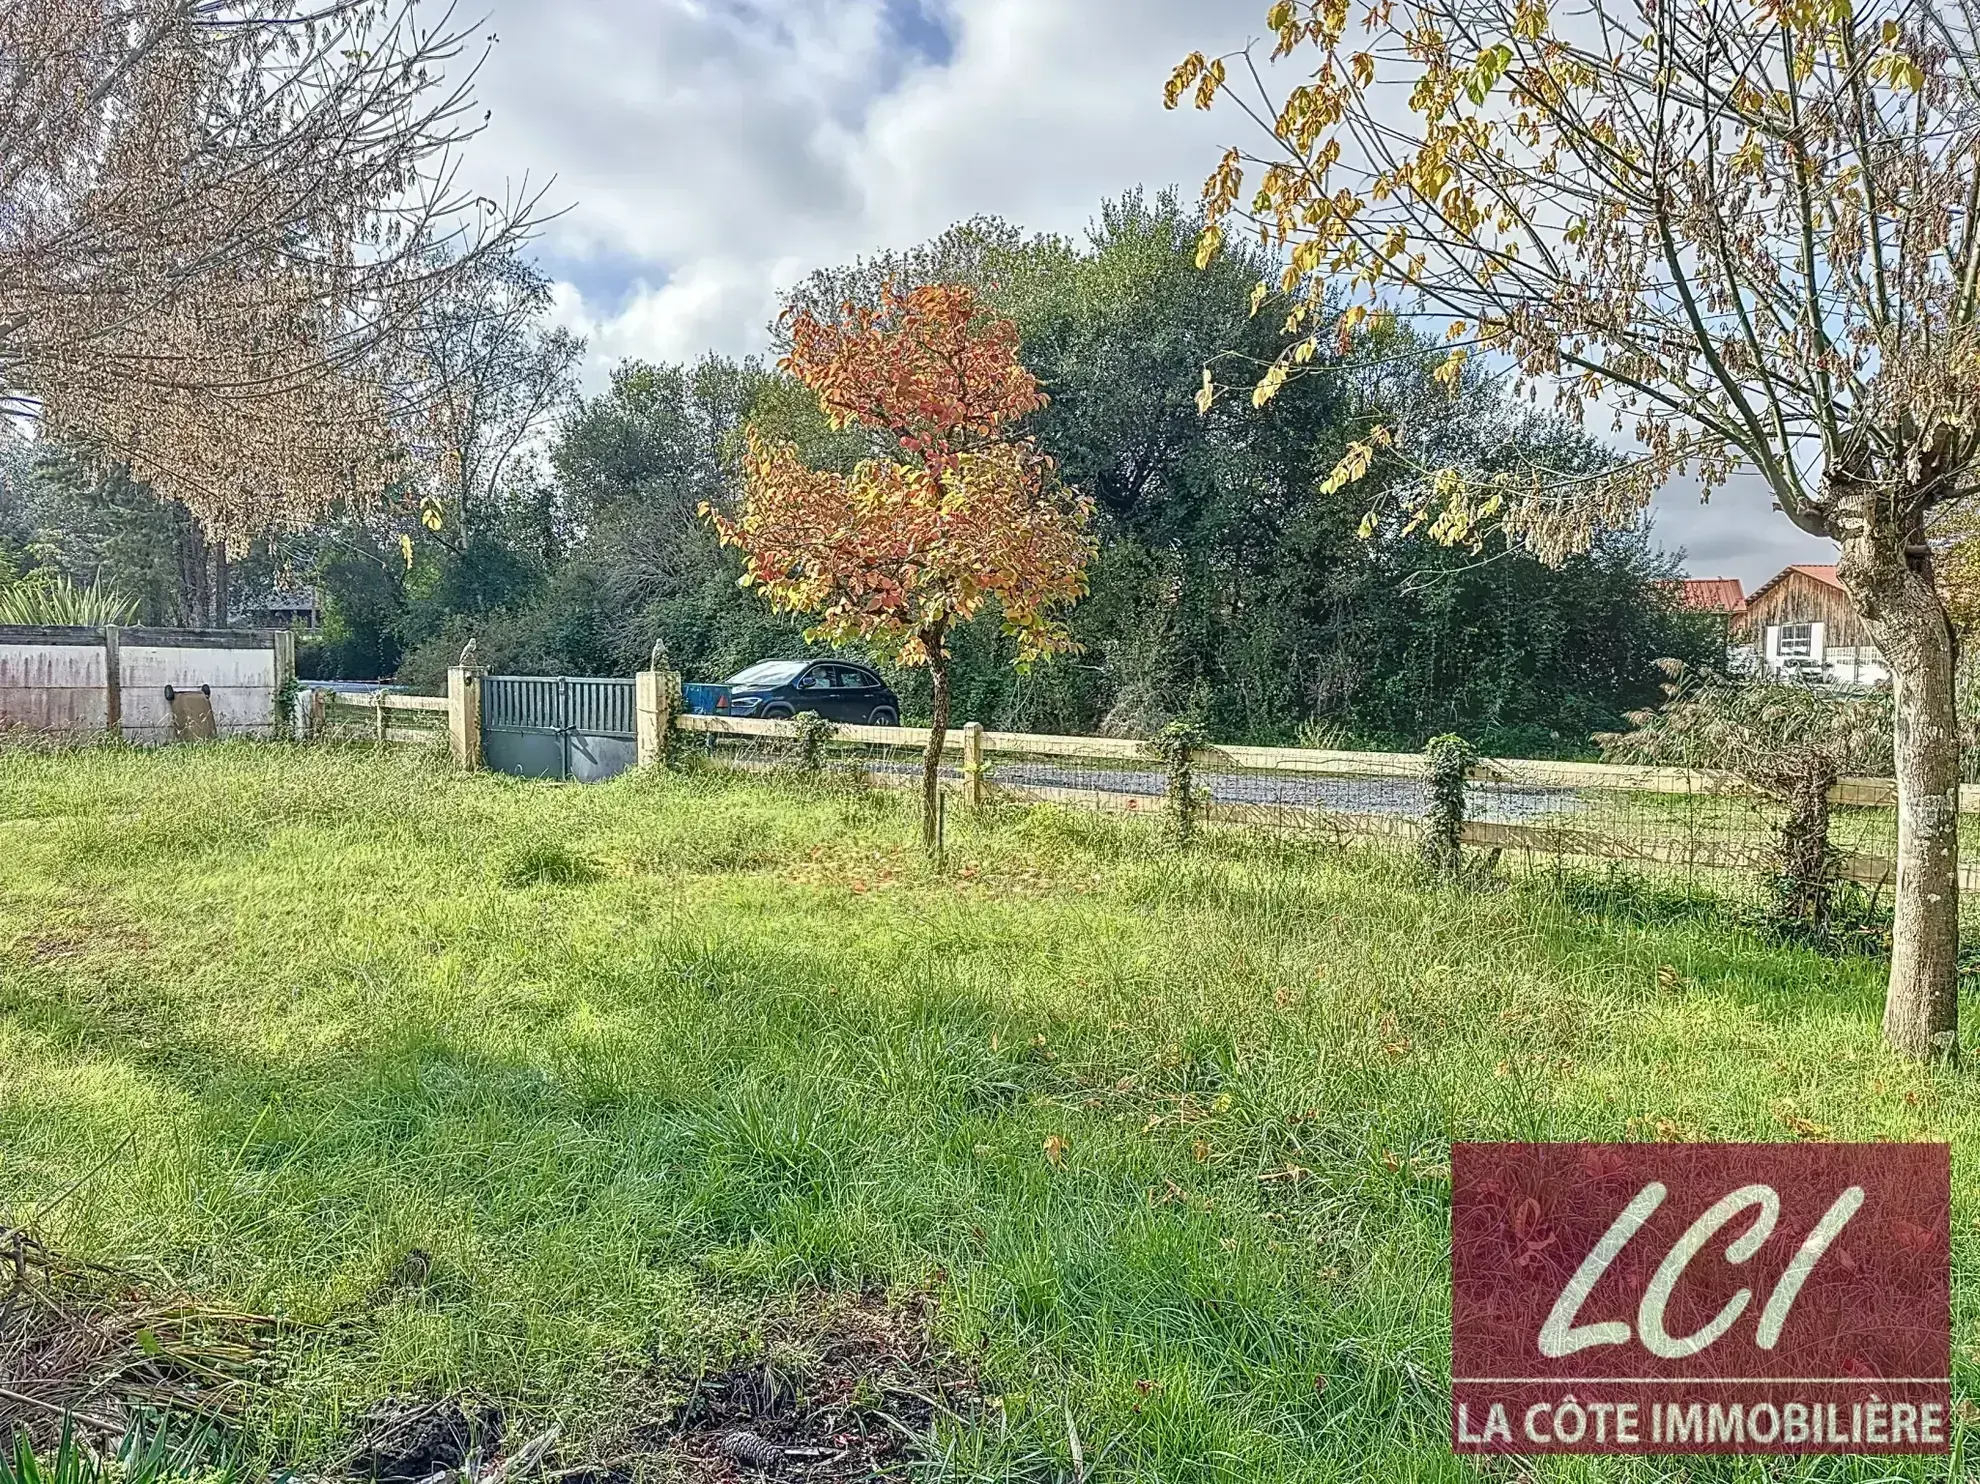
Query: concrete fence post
113,683
974,787
464,716
656,701
378,717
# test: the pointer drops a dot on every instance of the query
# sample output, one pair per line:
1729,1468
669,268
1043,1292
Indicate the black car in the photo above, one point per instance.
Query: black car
835,689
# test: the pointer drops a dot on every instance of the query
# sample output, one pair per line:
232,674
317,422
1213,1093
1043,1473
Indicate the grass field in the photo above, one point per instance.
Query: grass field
1163,1139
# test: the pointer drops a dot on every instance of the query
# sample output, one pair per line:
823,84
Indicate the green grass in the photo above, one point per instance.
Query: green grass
637,1062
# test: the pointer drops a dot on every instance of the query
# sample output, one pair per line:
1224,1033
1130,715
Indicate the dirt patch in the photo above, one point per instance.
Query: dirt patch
54,943
399,1441
101,1345
840,1388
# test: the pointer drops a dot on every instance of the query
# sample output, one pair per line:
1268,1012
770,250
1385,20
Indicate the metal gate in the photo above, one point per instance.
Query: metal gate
573,727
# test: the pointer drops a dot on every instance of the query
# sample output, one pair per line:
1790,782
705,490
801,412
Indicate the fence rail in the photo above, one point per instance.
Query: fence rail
1656,821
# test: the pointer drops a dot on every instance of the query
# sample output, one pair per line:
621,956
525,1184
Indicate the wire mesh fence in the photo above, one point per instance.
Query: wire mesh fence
1670,826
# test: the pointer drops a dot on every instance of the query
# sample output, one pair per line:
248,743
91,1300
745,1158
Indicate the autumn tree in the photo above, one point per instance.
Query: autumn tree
955,509
217,223
1745,233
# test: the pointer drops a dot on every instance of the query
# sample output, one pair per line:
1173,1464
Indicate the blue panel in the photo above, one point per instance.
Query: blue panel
704,700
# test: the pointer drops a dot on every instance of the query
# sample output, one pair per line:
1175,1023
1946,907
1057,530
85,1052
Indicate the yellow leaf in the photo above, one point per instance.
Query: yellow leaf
1367,528
1206,396
1458,330
1364,68
1258,296
1447,374
1353,465
406,550
1209,245
1268,388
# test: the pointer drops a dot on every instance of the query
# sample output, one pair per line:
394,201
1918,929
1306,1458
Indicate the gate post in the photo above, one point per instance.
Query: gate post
464,715
655,698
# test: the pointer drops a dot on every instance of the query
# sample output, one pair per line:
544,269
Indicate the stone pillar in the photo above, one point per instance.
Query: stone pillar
464,716
656,701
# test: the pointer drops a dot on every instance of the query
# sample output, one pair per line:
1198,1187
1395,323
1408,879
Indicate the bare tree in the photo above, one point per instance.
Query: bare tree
1749,229
218,219
489,381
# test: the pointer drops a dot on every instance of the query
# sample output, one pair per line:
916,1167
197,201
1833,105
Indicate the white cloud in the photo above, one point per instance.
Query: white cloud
714,152
718,150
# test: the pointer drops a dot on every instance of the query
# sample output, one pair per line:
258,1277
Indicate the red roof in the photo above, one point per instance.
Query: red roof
1711,594
1822,573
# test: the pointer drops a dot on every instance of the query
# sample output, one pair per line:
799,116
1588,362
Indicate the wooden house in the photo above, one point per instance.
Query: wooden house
1801,623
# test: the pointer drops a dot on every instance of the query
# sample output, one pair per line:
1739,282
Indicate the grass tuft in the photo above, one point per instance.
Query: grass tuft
545,863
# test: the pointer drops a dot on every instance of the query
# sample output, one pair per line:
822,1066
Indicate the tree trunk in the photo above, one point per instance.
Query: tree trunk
931,761
222,599
1886,567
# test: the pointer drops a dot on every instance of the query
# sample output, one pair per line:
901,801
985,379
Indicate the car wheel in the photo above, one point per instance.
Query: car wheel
884,716
776,713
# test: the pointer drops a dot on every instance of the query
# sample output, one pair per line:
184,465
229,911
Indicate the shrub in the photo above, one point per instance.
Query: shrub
1788,742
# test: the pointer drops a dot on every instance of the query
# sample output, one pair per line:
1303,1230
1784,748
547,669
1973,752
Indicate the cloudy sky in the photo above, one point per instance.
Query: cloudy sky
713,152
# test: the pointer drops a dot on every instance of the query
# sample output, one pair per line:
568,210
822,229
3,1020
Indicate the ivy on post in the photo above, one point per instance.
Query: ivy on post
1449,760
1176,746
656,702
811,735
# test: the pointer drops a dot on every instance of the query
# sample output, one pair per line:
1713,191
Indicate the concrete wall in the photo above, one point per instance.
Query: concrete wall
57,679
51,680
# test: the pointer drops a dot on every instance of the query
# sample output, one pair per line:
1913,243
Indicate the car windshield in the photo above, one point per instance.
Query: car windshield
770,672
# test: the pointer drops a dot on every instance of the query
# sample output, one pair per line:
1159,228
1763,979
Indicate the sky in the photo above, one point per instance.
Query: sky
710,153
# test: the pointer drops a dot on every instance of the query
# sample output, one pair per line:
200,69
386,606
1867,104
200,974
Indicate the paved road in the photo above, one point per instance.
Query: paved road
1497,802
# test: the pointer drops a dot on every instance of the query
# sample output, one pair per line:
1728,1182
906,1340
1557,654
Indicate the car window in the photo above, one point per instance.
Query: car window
851,679
818,677
770,672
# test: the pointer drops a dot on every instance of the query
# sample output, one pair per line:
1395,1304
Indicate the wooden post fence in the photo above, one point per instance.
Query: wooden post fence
972,765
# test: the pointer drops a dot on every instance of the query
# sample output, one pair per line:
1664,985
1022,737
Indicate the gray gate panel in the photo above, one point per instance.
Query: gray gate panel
575,727
593,759
525,754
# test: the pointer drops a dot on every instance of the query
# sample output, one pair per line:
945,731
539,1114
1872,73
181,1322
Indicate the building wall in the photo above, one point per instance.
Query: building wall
52,680
1839,648
1799,598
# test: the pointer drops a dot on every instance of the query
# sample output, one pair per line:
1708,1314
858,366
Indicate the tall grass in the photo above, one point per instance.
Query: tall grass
1166,1135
